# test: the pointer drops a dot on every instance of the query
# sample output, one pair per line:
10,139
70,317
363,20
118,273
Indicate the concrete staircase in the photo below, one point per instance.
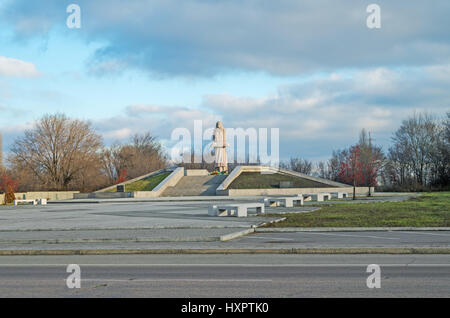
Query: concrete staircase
195,186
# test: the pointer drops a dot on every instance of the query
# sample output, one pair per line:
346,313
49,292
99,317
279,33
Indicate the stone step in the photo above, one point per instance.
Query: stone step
195,186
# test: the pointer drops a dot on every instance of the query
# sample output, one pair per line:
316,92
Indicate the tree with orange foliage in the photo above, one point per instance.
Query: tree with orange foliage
351,170
8,186
123,175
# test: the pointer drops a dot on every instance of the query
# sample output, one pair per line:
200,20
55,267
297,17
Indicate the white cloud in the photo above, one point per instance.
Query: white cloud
377,81
19,128
122,133
373,124
381,112
314,116
281,103
17,68
106,67
229,103
204,38
439,72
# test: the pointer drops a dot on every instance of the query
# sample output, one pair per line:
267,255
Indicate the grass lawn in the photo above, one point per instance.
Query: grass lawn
431,209
147,184
257,180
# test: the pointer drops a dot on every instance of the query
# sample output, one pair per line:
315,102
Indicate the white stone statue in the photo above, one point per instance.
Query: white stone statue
220,147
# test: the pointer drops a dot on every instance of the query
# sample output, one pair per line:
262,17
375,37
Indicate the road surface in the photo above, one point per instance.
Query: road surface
226,276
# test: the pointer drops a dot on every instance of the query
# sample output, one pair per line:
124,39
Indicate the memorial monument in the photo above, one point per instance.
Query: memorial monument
220,148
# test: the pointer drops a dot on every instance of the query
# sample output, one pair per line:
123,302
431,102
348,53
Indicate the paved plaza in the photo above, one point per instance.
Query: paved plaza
116,225
126,215
180,224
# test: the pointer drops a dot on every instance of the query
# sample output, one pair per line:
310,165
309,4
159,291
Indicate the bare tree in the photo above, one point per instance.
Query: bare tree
299,165
57,151
143,154
371,158
109,161
146,154
416,139
322,170
334,164
446,127
419,157
440,154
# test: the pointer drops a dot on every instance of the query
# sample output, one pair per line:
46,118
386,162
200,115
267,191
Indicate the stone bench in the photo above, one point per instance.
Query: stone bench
287,202
16,202
319,197
238,209
339,195
35,202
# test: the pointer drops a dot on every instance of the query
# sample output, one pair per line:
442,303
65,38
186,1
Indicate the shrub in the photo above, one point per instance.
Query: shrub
8,186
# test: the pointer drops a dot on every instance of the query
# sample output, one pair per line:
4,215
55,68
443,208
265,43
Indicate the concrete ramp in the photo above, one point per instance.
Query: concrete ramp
195,186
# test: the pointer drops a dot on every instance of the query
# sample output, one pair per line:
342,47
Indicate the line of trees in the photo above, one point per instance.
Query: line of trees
420,154
60,153
127,161
417,160
299,165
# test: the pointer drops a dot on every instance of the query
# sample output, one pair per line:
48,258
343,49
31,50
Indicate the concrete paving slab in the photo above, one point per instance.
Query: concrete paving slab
149,215
114,236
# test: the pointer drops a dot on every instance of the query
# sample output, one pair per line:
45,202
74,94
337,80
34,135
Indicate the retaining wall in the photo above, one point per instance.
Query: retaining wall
49,195
137,179
170,181
292,191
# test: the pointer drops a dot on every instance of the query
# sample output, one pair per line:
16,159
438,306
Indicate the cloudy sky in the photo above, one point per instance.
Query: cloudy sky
310,68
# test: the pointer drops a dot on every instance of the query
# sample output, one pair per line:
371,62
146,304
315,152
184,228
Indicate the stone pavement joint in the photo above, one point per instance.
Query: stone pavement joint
347,229
230,251
121,236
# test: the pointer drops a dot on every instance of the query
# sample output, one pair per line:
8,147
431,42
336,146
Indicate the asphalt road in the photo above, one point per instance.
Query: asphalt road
205,239
348,239
226,276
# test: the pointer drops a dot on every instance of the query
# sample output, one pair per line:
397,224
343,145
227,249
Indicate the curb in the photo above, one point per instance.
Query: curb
115,240
155,199
232,236
348,229
127,228
400,250
257,227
